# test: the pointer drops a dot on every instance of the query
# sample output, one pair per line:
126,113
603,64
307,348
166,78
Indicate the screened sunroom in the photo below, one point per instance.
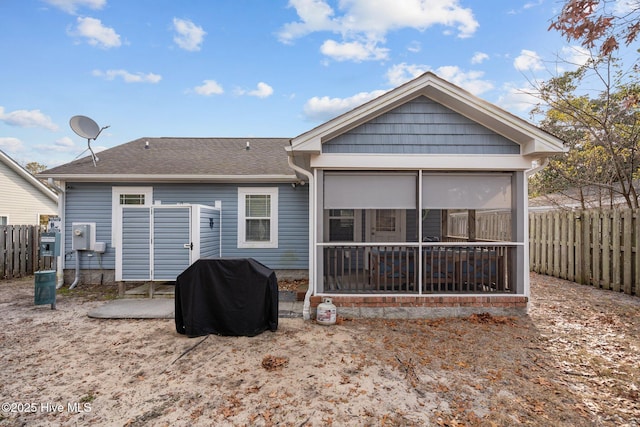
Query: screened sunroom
418,232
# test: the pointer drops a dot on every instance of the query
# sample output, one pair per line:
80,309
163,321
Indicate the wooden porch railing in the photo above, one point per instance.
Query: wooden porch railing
442,268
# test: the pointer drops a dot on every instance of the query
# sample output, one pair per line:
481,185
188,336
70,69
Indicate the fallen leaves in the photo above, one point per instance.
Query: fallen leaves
272,363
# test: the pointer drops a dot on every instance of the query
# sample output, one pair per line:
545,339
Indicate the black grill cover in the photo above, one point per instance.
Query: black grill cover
236,297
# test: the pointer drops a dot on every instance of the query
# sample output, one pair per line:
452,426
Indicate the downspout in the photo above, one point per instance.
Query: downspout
306,309
77,278
538,168
61,202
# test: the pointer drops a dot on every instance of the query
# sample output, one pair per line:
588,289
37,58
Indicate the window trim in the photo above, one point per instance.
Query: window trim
273,217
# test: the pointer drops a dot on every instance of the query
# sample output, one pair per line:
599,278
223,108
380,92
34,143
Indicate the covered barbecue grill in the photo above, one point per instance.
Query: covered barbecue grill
226,296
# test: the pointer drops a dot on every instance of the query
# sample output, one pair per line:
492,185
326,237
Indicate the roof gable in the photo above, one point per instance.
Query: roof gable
421,126
27,177
532,139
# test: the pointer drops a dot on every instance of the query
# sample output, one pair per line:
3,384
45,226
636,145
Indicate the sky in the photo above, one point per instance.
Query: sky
249,68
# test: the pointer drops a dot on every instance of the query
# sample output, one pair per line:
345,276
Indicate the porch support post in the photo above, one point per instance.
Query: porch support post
319,231
520,233
471,225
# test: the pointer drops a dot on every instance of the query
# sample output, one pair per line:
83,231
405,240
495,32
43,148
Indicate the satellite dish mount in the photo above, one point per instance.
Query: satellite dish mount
85,127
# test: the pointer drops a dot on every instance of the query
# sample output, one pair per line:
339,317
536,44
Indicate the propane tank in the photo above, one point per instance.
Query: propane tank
326,314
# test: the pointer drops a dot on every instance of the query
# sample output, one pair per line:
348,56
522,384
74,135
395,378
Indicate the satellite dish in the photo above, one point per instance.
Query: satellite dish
85,127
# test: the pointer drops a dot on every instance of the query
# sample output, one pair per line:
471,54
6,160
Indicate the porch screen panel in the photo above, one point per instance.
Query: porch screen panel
369,190
466,191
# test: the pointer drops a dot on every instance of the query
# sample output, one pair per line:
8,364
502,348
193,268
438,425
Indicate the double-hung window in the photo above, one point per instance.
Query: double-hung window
258,217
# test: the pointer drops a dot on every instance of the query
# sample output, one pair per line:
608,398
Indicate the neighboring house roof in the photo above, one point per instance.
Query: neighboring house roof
184,160
594,196
28,177
534,141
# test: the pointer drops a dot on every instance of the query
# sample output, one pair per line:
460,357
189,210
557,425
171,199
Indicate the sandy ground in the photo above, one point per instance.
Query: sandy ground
575,361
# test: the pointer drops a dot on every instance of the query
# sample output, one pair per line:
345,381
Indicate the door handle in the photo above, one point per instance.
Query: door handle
188,246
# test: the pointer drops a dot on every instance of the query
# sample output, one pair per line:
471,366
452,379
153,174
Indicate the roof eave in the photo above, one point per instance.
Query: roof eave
275,178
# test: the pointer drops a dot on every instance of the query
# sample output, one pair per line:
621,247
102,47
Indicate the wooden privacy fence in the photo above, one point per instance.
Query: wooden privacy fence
592,247
20,251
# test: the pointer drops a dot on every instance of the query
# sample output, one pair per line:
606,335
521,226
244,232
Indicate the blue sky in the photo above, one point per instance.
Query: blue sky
248,68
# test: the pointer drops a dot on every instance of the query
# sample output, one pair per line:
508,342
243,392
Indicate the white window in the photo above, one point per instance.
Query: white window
258,217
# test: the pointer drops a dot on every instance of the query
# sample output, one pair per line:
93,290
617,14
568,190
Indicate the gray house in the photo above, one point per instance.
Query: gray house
363,205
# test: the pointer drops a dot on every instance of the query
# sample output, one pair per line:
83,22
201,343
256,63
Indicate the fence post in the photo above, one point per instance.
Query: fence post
627,261
596,248
578,248
615,250
636,234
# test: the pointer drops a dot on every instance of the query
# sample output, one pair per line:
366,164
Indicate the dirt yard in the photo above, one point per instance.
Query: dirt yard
575,361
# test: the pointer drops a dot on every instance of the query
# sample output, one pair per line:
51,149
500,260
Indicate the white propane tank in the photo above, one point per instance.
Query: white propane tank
326,314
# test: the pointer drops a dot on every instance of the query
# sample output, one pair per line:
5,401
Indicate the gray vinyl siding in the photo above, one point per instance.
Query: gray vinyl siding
89,203
421,126
136,263
293,220
209,237
170,233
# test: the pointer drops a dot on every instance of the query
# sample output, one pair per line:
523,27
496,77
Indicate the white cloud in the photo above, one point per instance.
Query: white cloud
517,99
96,33
624,7
479,58
367,22
402,73
528,60
414,47
28,119
189,35
575,55
325,108
128,77
532,4
262,91
353,51
469,80
62,145
10,144
208,88
71,6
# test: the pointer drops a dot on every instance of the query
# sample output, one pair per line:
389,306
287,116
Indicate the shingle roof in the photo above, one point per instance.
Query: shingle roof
184,159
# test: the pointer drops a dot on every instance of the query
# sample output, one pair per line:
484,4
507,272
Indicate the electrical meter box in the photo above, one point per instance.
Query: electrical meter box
83,236
50,243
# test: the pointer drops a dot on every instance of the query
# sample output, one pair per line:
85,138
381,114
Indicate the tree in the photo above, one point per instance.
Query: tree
603,133
35,167
601,24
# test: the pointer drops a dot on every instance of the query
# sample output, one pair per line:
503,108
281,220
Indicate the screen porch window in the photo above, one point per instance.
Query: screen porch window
257,218
342,225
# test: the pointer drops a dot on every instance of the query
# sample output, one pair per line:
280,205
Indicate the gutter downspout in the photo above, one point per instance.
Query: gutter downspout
306,309
538,168
61,201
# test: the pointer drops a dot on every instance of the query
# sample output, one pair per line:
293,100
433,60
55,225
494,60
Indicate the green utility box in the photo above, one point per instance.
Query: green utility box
50,244
45,291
